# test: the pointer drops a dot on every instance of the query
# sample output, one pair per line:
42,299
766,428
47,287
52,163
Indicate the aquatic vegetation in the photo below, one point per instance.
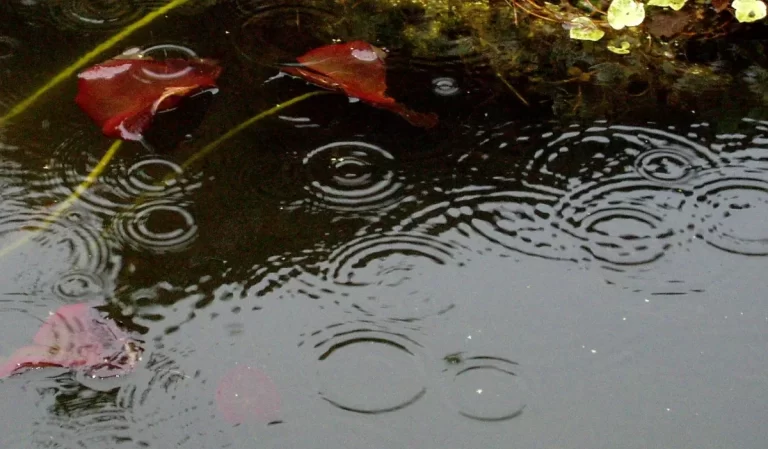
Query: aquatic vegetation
749,10
530,46
582,28
357,69
77,337
123,95
625,13
676,5
621,49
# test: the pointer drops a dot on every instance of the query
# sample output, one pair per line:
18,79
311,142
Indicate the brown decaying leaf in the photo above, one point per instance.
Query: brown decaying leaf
720,5
668,24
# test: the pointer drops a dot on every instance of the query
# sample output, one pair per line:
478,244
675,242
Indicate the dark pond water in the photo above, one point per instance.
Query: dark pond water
499,281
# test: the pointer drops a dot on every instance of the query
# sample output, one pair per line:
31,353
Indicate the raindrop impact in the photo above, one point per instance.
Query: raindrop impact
623,220
366,368
158,226
352,177
485,388
83,15
445,86
730,210
79,286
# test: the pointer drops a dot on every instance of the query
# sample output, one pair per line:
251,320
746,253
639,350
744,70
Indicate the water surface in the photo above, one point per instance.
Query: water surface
501,281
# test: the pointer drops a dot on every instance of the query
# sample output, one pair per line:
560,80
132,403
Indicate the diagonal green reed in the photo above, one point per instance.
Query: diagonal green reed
206,150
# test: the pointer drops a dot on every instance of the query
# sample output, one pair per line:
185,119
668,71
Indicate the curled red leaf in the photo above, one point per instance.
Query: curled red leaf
77,337
357,69
123,95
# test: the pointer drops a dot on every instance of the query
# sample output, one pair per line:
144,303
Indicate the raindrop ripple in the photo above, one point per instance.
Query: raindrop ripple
159,226
368,368
730,210
484,388
352,177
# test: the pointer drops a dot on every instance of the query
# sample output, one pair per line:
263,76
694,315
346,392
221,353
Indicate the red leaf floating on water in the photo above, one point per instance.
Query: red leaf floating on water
123,95
246,395
77,337
356,69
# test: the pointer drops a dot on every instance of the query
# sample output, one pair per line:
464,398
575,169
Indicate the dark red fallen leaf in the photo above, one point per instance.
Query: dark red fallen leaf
357,69
77,337
246,395
123,95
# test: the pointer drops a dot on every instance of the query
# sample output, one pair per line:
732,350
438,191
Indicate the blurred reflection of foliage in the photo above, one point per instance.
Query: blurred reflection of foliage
577,56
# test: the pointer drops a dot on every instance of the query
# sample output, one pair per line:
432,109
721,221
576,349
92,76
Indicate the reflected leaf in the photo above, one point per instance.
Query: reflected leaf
247,395
749,10
625,13
668,25
123,95
677,5
621,49
582,28
357,69
77,337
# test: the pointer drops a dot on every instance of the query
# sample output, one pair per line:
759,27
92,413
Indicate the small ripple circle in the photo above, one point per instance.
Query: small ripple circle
730,210
268,34
8,47
83,16
352,176
365,370
79,286
445,86
665,165
623,220
146,177
485,388
158,226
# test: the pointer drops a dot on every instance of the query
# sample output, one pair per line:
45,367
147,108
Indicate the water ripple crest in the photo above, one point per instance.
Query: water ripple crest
393,274
275,31
730,209
484,388
159,226
57,247
351,177
368,368
623,220
85,15
78,416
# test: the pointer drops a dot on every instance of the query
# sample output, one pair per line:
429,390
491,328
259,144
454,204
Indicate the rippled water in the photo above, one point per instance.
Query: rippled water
497,282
